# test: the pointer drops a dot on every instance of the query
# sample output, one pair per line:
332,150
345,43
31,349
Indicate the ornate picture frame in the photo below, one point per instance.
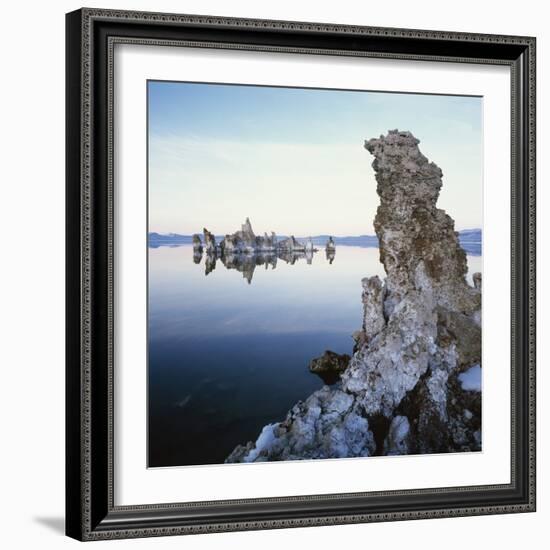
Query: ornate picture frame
91,509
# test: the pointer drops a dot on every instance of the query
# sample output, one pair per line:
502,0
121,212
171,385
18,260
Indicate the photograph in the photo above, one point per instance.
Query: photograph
314,273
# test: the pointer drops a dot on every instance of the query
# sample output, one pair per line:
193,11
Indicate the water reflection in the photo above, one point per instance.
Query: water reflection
226,358
247,262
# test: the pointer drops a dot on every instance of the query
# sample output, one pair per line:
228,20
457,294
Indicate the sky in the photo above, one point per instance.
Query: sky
293,160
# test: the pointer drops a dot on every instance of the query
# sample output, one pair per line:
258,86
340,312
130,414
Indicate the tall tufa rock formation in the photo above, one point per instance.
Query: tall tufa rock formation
209,242
401,392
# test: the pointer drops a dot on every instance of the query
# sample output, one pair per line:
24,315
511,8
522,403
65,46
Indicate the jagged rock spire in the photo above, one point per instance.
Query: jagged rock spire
418,245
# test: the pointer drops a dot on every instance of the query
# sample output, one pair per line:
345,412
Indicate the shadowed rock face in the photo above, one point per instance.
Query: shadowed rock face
421,328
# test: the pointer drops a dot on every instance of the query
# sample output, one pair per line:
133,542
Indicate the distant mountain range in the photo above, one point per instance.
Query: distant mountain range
470,240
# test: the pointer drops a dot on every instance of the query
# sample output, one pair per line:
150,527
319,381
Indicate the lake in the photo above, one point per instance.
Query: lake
227,357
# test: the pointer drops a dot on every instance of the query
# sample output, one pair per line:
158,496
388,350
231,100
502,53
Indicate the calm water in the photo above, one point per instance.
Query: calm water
227,357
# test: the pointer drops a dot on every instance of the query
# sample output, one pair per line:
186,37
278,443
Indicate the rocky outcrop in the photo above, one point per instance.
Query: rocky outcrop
209,242
247,242
330,250
292,245
401,392
244,250
330,366
327,425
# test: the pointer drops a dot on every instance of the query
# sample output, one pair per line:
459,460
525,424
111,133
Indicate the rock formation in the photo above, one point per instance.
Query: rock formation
291,244
327,425
401,392
330,366
330,250
244,250
246,241
209,242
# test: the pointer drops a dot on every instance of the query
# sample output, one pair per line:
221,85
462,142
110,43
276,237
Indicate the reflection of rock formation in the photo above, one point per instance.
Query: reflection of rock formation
197,257
403,391
247,263
209,263
292,256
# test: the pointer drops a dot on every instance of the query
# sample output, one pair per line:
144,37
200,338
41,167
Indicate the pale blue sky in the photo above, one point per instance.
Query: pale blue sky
292,159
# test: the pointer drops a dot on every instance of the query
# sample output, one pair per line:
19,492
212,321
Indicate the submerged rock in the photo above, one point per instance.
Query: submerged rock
421,330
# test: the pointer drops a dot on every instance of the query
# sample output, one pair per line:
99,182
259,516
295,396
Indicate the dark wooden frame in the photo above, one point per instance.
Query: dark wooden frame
90,510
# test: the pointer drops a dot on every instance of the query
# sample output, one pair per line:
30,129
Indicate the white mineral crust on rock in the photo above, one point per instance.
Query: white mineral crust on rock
396,442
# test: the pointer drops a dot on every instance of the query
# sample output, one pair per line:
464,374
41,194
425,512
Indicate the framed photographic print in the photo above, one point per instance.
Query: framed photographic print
300,274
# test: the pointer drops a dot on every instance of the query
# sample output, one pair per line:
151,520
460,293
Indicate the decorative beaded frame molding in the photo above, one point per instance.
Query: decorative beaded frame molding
91,37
